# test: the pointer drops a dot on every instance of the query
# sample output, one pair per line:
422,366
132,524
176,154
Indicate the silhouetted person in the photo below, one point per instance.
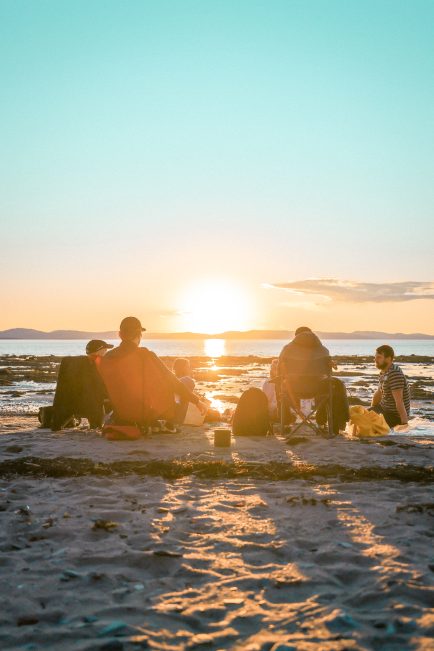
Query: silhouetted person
306,364
140,386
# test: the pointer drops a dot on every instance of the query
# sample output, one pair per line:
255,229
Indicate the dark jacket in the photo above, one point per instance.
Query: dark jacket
79,392
306,360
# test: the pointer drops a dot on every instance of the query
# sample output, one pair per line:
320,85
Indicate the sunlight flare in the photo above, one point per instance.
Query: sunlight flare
214,306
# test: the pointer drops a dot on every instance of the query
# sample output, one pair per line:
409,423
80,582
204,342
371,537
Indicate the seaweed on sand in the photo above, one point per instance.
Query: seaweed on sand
273,471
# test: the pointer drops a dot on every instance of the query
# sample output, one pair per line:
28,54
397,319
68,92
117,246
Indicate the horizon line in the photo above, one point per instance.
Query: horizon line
25,333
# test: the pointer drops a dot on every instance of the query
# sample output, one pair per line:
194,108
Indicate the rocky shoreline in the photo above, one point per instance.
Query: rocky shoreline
28,382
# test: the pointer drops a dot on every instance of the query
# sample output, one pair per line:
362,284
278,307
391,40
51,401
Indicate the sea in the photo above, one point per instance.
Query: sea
26,396
215,348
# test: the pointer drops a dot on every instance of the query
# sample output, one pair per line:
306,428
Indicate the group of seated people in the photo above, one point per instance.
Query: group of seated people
132,385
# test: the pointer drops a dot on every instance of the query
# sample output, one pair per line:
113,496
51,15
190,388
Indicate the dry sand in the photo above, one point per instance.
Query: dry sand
169,543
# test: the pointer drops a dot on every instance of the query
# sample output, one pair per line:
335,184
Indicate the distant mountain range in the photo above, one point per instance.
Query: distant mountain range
28,333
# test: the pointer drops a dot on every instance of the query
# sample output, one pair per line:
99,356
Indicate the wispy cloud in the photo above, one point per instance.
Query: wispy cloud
331,289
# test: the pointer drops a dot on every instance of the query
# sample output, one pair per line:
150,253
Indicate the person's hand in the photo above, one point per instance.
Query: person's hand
401,428
203,407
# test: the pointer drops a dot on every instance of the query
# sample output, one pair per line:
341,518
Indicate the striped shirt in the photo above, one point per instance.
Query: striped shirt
390,380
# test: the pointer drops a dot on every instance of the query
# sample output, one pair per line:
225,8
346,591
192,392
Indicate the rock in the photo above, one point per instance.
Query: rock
27,620
167,552
114,628
24,511
14,449
90,619
67,575
106,525
341,623
112,645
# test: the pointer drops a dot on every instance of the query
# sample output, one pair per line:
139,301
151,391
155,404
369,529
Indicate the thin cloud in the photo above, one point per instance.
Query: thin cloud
331,289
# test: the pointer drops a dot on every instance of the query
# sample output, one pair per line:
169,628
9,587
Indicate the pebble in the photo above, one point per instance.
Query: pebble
113,628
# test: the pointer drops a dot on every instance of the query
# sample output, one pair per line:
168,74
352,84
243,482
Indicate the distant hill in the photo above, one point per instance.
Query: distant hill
28,333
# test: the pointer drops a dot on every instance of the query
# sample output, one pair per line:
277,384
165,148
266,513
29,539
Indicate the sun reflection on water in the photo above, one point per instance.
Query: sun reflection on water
214,347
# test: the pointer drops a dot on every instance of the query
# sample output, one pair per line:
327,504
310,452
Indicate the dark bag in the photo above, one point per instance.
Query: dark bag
45,416
251,415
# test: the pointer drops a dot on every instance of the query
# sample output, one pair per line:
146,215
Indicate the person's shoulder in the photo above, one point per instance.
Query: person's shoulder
286,348
395,370
395,375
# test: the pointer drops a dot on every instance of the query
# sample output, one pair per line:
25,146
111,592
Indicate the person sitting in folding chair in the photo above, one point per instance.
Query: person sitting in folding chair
305,372
140,386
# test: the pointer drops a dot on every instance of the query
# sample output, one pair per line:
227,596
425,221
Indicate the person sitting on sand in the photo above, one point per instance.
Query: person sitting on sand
182,370
306,361
392,397
140,386
269,388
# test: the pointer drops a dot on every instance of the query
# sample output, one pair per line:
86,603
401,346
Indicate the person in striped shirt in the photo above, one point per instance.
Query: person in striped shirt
392,398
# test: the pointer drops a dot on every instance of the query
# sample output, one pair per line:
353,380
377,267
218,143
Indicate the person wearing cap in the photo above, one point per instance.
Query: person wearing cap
140,386
97,348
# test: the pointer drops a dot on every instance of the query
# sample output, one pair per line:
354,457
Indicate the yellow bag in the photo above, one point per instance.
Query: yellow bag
367,423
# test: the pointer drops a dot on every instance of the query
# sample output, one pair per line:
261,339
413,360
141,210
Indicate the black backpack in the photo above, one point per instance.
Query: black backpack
251,415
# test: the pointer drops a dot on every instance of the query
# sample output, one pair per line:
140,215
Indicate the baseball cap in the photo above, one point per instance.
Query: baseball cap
130,327
95,345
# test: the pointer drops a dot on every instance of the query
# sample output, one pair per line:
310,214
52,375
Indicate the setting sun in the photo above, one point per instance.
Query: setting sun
213,306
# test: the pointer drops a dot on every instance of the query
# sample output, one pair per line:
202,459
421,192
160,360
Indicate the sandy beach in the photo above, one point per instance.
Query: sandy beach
170,543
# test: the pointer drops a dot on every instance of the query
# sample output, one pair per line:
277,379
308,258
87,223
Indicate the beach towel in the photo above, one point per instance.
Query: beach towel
367,423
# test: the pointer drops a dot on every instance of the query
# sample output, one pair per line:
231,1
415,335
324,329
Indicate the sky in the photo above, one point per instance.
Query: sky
217,165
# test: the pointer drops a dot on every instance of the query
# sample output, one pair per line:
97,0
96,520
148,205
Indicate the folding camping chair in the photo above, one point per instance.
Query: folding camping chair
293,387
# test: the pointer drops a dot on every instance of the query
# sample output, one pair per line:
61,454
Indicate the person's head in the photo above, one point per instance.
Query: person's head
181,367
274,368
384,357
97,348
302,329
131,330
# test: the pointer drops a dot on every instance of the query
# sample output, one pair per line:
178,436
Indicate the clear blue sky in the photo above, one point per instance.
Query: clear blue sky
145,144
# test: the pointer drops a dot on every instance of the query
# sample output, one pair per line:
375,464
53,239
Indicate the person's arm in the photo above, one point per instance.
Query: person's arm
178,387
400,407
376,398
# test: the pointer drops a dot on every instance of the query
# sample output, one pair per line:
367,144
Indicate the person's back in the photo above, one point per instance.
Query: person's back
305,366
136,385
141,388
306,361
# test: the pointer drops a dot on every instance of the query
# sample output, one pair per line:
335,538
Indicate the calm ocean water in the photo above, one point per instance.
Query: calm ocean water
217,347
